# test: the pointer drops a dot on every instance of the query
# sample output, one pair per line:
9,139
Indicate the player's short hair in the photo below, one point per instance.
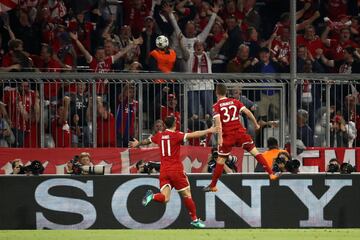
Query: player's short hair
221,89
272,143
169,121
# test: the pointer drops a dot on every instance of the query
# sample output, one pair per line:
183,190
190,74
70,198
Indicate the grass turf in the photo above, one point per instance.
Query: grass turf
207,234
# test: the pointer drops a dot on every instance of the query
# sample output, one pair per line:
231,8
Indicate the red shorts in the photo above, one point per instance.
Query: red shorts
240,139
177,180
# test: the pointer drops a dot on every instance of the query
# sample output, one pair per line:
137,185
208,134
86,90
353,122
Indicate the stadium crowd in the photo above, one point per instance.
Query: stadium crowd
200,36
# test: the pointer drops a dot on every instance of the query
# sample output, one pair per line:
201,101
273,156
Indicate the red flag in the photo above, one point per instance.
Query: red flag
6,5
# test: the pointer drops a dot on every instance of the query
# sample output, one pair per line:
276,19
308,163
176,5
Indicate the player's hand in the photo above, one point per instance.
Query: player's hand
133,144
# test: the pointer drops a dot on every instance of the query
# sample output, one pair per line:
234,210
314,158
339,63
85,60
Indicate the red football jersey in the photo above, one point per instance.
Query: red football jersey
169,143
229,110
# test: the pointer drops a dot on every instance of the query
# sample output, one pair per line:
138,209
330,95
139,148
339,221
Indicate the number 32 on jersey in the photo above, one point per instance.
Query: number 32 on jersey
231,113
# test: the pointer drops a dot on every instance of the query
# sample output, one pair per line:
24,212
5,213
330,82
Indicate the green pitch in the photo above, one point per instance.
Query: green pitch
207,234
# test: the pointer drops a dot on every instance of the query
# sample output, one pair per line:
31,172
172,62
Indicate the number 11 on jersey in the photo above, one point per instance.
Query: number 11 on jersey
165,147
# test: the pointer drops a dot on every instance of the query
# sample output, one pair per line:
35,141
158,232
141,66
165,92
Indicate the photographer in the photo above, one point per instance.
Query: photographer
284,163
271,154
16,167
82,165
333,166
229,166
147,167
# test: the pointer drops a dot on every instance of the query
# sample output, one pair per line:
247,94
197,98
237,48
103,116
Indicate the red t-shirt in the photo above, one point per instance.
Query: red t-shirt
7,60
106,132
229,110
311,45
61,137
166,111
169,143
11,99
32,136
336,48
280,49
100,67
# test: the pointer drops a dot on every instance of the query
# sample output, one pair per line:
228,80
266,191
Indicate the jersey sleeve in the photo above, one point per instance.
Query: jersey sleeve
156,138
181,137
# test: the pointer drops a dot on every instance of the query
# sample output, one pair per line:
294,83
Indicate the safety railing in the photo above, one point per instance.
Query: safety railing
109,109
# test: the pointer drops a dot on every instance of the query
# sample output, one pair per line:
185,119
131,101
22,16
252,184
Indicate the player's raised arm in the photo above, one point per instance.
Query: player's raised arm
136,143
251,116
198,134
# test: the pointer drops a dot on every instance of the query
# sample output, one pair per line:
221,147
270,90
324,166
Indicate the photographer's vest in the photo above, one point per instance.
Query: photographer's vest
165,60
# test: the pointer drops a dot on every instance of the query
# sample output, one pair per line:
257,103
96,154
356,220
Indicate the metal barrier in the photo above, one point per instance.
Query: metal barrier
109,109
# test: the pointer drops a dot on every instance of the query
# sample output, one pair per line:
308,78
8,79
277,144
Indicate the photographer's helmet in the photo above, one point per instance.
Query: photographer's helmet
162,42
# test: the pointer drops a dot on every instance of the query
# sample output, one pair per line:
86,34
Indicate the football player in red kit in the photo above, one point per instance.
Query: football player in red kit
172,174
226,112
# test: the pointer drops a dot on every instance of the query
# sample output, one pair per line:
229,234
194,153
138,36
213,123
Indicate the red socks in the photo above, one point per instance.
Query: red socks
219,168
159,197
190,205
264,163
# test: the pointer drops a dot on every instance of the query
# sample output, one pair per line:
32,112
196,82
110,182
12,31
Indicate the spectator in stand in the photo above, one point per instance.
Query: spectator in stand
32,134
304,132
337,46
8,63
47,63
101,63
19,102
7,137
65,51
135,13
252,17
60,128
334,9
27,32
280,46
268,98
252,41
149,36
106,133
231,8
170,110
190,34
341,133
351,112
310,40
200,93
348,64
126,116
79,104
84,30
304,58
242,61
234,40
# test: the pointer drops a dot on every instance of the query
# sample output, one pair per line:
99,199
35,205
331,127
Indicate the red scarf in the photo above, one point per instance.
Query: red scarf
203,64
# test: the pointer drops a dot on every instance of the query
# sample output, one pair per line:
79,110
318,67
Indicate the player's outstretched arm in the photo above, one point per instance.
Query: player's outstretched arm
252,118
198,134
136,143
